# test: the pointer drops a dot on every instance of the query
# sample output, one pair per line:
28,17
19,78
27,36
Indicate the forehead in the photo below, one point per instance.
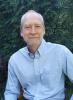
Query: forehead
31,18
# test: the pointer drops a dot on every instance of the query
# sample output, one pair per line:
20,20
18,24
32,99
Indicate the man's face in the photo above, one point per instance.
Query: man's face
32,30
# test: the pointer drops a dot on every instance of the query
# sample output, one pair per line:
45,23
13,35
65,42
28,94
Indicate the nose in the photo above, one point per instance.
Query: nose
33,31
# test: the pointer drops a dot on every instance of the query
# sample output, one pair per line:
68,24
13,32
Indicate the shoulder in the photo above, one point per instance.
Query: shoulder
17,55
58,47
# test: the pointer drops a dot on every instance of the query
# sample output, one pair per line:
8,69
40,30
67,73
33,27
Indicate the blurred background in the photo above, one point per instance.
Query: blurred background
58,16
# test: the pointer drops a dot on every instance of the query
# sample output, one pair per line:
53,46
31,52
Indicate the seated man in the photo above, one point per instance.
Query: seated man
40,66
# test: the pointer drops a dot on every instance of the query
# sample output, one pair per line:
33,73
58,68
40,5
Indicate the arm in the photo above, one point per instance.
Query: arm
69,65
68,69
12,87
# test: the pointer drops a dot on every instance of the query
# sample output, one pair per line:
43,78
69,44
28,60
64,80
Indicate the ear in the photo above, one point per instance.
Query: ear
21,34
44,32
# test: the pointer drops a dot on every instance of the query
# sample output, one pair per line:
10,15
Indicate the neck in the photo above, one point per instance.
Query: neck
33,48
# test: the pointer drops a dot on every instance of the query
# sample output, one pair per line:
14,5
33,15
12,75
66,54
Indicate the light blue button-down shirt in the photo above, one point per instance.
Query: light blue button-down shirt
41,75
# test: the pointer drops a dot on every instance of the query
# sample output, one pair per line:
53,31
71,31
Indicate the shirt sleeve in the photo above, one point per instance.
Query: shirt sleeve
13,86
71,97
68,69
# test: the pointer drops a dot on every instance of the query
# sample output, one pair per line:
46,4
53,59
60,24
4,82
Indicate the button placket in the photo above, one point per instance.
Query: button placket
36,66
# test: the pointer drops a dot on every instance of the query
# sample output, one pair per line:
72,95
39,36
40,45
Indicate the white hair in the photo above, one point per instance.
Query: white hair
29,13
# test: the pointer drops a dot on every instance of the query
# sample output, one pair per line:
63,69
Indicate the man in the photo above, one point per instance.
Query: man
40,66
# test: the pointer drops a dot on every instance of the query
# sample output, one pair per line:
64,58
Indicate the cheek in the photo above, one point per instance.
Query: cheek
24,33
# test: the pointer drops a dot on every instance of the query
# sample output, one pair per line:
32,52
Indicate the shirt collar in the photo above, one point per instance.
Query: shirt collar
42,47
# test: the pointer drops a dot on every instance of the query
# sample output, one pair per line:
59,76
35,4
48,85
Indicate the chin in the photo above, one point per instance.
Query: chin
34,42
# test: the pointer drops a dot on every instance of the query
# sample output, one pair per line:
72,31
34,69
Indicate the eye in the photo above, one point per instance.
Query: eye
38,26
27,27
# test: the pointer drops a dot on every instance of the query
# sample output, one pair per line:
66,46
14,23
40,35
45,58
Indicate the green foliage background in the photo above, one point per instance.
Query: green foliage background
58,16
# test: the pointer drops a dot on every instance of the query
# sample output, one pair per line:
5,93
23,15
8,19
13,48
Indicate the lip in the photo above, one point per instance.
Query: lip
34,37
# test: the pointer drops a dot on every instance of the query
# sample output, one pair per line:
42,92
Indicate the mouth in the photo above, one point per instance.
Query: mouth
33,37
